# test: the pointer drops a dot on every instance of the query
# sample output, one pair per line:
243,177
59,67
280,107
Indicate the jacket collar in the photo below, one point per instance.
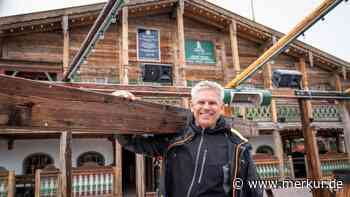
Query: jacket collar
219,127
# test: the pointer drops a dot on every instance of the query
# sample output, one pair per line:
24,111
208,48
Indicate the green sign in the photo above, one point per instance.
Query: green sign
199,52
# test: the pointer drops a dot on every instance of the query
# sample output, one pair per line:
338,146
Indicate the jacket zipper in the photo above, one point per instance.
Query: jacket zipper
196,164
237,156
203,164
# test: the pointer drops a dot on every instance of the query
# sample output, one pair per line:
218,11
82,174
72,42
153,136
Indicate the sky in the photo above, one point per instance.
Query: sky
330,35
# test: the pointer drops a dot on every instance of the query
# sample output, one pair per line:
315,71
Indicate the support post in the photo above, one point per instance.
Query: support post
123,72
235,62
65,31
234,47
37,183
118,176
66,164
305,82
312,156
179,70
11,187
140,175
345,117
276,134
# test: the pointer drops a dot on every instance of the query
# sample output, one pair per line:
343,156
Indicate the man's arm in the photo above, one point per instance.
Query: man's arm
151,145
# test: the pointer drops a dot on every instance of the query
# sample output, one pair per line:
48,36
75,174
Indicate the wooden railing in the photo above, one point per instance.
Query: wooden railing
269,168
290,113
331,162
326,112
97,181
92,182
7,184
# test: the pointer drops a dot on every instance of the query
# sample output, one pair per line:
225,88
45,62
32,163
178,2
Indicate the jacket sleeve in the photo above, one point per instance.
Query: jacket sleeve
149,145
250,173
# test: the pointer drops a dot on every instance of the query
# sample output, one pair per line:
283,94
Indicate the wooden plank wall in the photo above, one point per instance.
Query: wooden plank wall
46,47
104,62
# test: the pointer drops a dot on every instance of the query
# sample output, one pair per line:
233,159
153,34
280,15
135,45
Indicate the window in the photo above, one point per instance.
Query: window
148,48
91,157
36,161
265,150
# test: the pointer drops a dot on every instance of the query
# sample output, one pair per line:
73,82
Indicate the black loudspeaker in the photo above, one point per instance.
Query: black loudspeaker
286,78
158,73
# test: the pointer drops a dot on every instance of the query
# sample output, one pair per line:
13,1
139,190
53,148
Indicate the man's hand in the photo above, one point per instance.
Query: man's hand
124,94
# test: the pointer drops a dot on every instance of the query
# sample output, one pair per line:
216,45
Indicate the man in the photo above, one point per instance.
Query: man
207,158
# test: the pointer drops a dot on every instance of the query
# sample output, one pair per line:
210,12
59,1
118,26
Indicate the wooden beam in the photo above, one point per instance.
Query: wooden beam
66,164
85,110
30,66
138,90
123,72
66,45
140,176
179,69
279,151
234,46
118,189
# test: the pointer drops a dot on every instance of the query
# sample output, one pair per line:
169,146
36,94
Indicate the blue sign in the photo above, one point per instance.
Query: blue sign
148,44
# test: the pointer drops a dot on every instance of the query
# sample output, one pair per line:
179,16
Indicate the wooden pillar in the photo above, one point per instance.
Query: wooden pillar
179,69
234,46
276,133
11,187
65,31
305,82
123,72
38,183
344,113
118,176
313,158
309,133
66,164
140,176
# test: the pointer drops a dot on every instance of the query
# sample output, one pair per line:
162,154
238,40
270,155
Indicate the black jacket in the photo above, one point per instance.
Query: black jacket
200,162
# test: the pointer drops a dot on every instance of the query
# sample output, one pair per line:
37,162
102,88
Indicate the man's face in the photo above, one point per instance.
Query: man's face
207,108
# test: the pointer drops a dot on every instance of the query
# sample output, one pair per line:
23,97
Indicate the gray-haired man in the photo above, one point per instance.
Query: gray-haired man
208,158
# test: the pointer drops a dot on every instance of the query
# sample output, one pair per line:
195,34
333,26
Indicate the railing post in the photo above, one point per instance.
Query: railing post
37,183
290,160
11,187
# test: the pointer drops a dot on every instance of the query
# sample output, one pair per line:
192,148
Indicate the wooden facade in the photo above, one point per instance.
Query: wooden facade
40,46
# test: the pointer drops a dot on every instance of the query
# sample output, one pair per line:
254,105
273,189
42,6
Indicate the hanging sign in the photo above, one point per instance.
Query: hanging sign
199,52
148,45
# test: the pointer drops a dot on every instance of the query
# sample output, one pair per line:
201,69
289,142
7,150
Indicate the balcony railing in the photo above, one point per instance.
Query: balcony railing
98,181
323,113
268,168
290,113
332,162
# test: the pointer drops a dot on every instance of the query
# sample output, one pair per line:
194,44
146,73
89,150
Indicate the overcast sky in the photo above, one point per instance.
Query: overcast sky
331,35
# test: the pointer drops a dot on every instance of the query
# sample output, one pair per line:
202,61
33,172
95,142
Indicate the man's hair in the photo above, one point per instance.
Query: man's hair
207,85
